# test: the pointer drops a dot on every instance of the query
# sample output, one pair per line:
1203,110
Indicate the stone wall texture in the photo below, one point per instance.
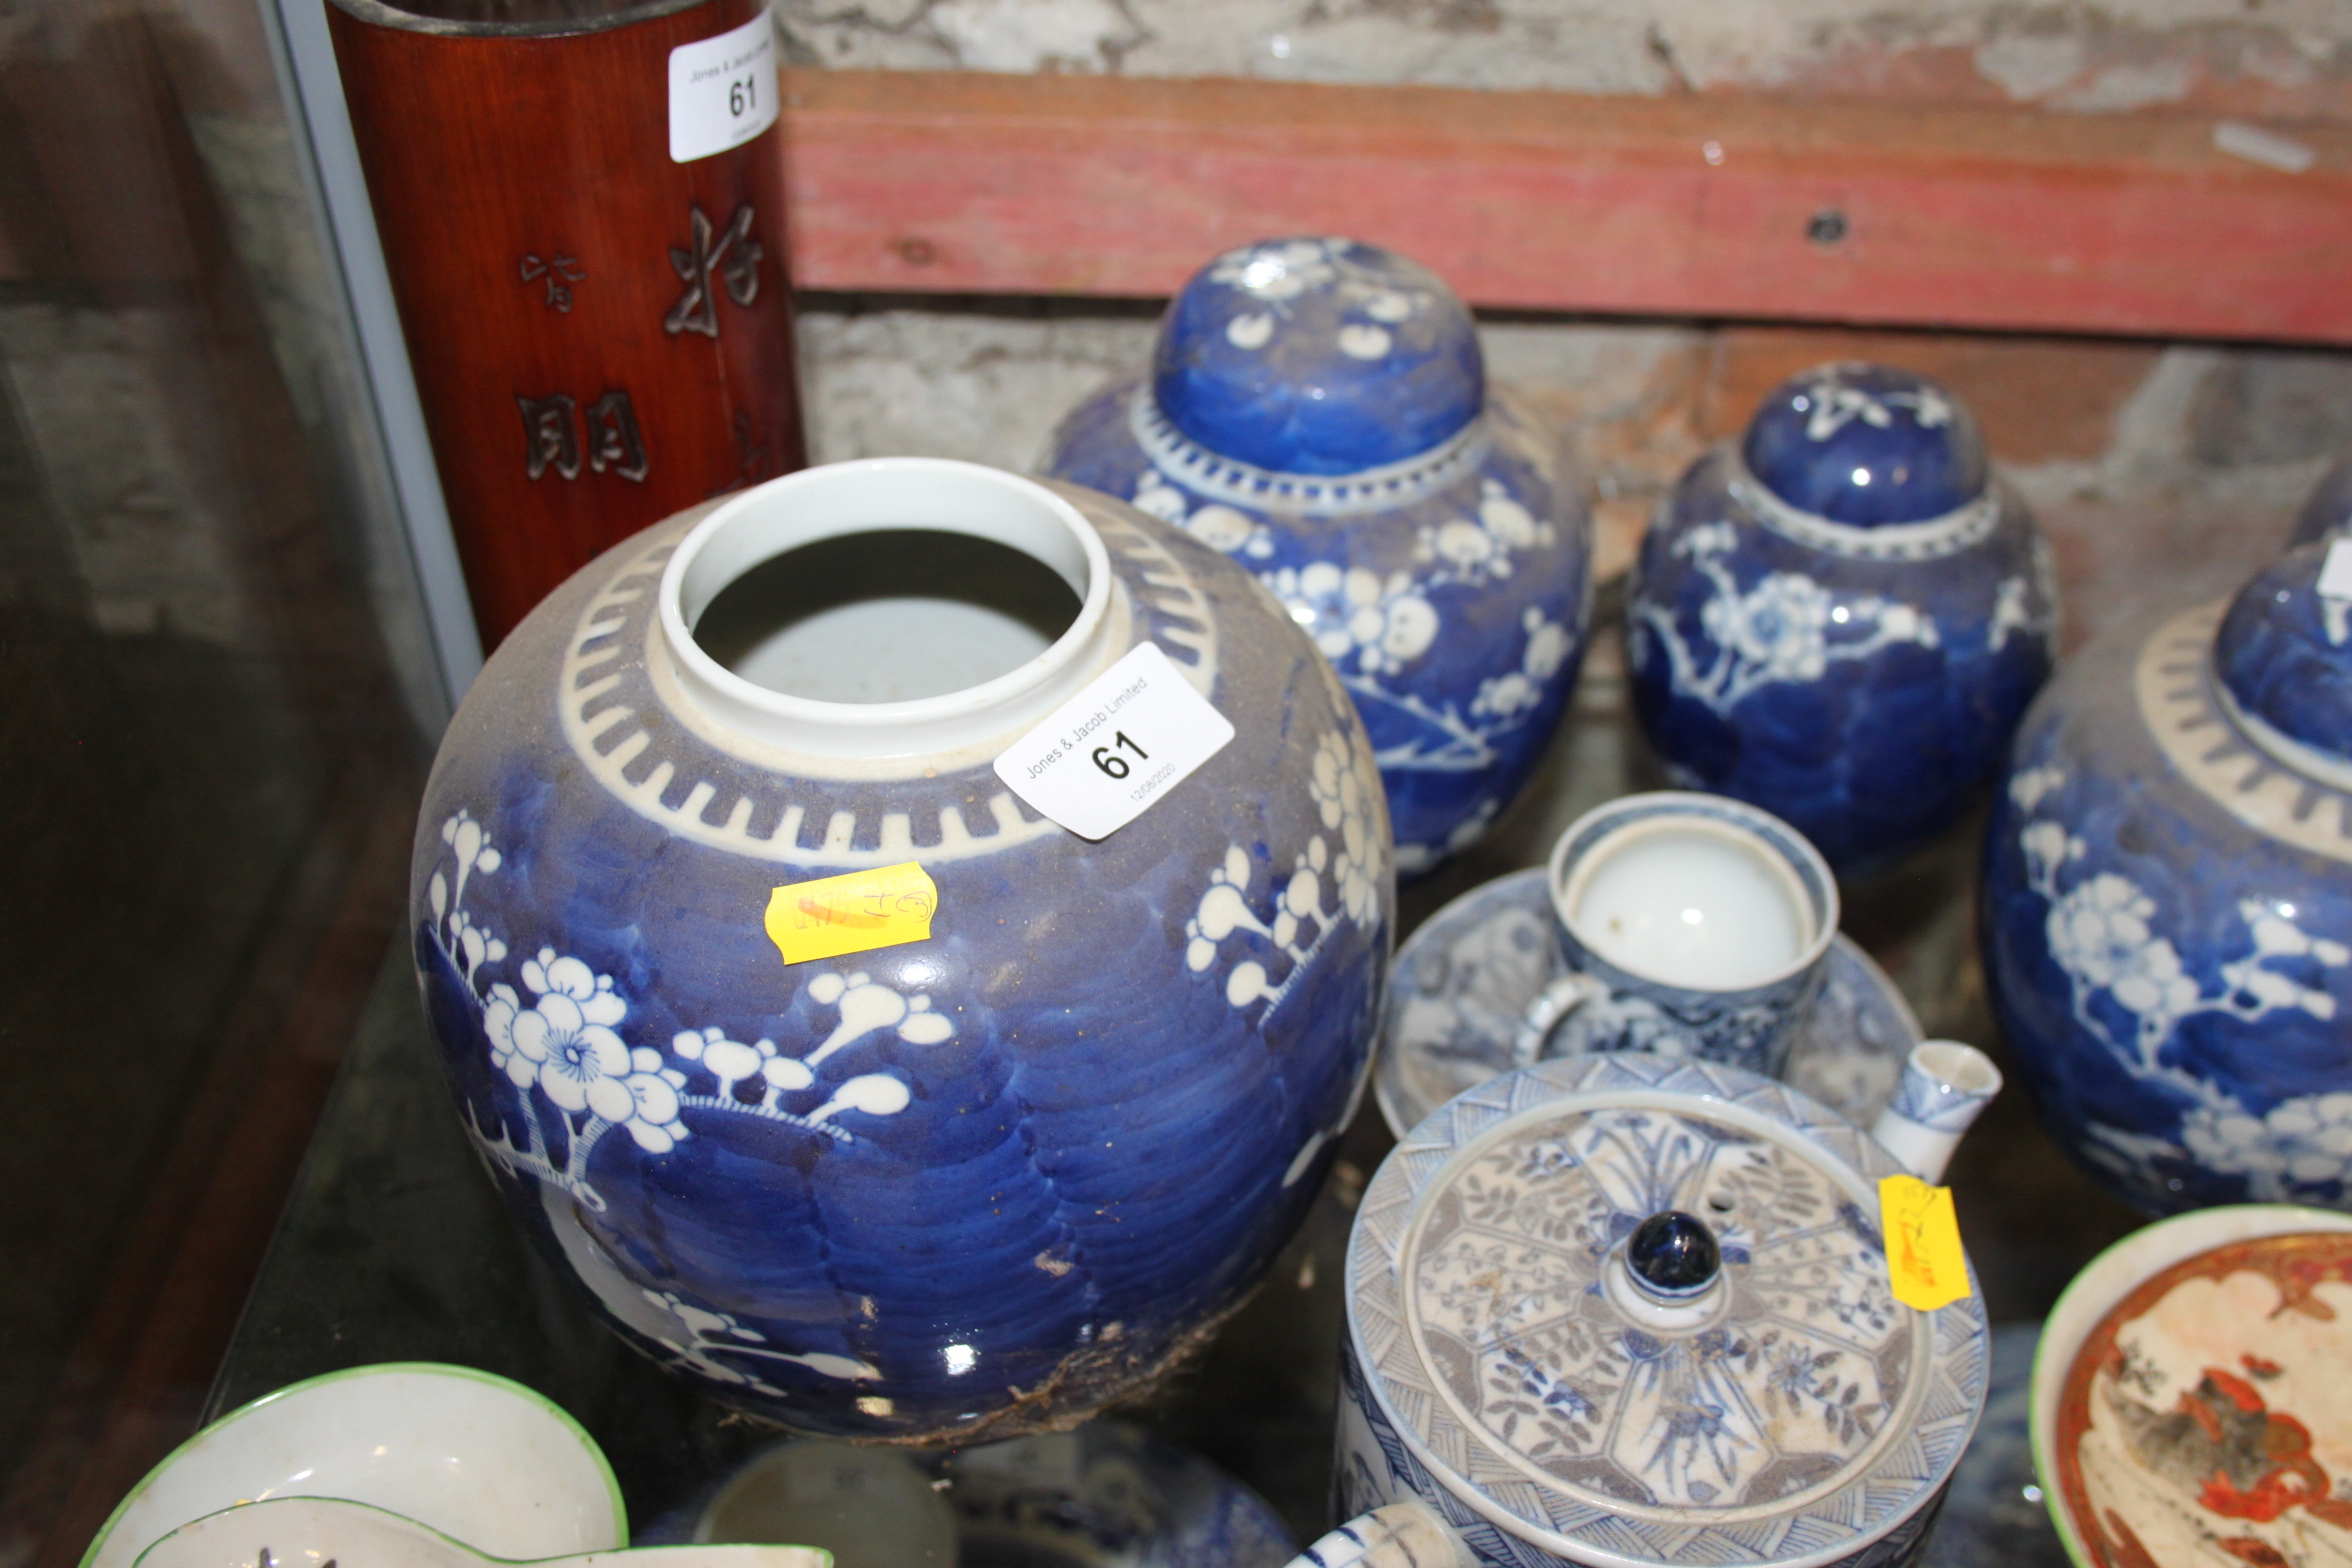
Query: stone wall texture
2160,470
2284,58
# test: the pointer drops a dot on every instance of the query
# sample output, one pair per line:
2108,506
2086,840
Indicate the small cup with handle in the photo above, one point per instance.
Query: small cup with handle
1690,924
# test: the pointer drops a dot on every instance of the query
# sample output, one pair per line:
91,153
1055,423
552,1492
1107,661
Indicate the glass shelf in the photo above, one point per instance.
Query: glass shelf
396,1247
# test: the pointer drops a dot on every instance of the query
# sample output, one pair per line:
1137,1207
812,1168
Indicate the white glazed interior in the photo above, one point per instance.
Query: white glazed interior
2110,1277
1961,1068
1946,1086
879,1493
475,1457
886,493
1567,880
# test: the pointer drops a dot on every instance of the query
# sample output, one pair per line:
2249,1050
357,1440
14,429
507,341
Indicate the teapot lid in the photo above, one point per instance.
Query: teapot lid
1866,445
2283,656
1637,1309
1318,356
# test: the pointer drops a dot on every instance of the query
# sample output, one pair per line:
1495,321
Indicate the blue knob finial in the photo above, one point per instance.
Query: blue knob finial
1673,1255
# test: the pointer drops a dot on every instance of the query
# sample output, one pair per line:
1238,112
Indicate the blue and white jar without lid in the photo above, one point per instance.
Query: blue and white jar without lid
970,1185
1841,617
2167,916
1318,409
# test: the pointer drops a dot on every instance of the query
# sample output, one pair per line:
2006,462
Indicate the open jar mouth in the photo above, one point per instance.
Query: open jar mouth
877,496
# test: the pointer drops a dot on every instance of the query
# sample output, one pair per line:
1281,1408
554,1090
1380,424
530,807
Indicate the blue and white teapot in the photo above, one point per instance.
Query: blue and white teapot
1318,409
1628,1311
1841,617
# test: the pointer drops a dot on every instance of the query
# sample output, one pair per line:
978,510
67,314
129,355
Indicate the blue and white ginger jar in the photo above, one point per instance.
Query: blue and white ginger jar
964,1187
1633,1311
1318,409
1841,617
2168,900
2328,512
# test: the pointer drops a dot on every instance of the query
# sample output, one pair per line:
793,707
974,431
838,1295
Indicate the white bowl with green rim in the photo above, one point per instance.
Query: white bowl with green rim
478,1458
304,1530
2110,1281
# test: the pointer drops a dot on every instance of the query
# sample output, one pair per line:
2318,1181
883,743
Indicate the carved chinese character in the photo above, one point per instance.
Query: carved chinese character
613,441
559,273
734,259
754,457
551,439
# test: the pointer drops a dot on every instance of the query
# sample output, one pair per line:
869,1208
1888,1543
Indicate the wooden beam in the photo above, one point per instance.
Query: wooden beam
1690,206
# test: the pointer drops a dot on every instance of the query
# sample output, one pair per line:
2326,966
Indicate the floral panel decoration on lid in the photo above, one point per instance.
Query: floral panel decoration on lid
1318,356
1639,1308
2283,659
2207,1419
1866,445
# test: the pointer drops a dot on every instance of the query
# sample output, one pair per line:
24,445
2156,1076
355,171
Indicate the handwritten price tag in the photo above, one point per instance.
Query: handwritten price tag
723,90
1136,732
1922,1242
852,914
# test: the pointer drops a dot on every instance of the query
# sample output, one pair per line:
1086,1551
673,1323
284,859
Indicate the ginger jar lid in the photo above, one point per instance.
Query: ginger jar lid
1866,445
1637,1309
2283,657
1318,356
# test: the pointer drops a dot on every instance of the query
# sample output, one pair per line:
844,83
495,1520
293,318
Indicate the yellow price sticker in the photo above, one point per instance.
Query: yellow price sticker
1922,1242
852,914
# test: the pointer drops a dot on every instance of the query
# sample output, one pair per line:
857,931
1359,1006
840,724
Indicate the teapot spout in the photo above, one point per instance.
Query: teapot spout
1401,1535
1945,1084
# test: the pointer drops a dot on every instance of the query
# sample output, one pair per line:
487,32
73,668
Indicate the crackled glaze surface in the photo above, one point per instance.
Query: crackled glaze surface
2208,1417
1494,1373
1318,411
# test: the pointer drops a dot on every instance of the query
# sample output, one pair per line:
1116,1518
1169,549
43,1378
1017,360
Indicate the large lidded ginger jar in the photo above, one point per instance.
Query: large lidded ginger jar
966,1185
1318,410
2168,899
1841,617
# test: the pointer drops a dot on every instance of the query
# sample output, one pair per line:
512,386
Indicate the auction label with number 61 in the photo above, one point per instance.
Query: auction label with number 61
1134,733
723,90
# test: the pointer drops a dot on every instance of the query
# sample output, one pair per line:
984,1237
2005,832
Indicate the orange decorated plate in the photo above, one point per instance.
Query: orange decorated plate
2192,1400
